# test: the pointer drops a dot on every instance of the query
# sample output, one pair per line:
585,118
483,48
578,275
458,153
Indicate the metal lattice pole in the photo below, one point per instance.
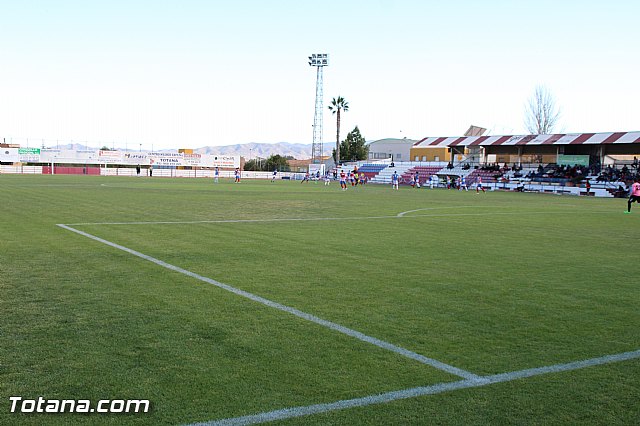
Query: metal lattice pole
317,149
319,60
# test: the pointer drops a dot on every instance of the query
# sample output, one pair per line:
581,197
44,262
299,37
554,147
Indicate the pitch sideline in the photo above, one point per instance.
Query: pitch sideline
288,413
300,314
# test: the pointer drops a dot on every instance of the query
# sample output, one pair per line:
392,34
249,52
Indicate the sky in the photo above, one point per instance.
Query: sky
185,74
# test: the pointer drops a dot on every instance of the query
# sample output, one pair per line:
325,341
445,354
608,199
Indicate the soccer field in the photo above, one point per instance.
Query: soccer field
305,304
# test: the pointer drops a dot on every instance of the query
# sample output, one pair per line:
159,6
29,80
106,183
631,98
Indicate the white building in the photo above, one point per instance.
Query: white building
394,149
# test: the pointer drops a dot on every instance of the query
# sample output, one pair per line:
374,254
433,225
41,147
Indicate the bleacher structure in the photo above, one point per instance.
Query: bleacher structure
384,176
493,180
424,173
370,170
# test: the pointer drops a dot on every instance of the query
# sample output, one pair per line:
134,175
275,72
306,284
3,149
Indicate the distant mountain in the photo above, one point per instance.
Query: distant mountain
298,151
70,147
80,147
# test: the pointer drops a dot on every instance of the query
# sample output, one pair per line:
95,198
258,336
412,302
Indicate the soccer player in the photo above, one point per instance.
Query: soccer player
237,175
394,180
634,194
432,181
216,174
363,178
273,176
479,185
343,180
327,179
463,184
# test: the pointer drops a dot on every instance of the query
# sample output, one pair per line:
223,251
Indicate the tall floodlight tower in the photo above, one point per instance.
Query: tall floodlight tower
318,60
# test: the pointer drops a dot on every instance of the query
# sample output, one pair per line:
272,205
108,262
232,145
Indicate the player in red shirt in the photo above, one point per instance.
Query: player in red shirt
343,180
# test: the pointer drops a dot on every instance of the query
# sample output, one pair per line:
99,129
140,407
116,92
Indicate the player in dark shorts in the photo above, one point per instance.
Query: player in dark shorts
634,194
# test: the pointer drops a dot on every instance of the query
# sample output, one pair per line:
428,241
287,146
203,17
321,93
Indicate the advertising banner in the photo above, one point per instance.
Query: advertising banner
89,156
573,160
136,158
29,155
174,159
192,159
111,157
9,155
222,161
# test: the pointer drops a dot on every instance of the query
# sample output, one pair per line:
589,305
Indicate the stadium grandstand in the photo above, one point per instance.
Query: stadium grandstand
560,163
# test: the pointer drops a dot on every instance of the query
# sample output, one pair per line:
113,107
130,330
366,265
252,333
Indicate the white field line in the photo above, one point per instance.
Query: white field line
432,208
382,398
312,219
312,318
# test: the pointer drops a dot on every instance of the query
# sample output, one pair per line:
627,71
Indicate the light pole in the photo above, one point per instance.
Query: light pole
318,60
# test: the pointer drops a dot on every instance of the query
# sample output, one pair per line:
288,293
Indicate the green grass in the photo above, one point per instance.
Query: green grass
489,283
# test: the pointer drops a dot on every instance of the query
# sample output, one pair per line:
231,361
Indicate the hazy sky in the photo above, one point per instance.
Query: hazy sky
191,73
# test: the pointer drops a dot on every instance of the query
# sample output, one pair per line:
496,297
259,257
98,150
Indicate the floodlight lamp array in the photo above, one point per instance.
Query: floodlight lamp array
319,60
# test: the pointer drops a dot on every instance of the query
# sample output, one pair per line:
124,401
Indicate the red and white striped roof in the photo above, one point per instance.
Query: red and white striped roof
558,139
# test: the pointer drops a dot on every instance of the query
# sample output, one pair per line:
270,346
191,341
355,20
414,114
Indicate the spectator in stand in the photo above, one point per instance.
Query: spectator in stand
621,192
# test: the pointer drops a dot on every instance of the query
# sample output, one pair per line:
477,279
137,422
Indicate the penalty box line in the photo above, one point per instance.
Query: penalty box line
293,412
300,314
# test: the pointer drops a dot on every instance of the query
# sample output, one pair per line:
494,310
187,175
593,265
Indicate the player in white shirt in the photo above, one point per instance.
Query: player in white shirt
394,180
463,184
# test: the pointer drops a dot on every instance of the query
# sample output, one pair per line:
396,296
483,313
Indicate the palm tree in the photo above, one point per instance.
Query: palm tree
338,104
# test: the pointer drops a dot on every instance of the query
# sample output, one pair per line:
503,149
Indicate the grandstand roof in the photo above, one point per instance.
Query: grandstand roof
557,139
